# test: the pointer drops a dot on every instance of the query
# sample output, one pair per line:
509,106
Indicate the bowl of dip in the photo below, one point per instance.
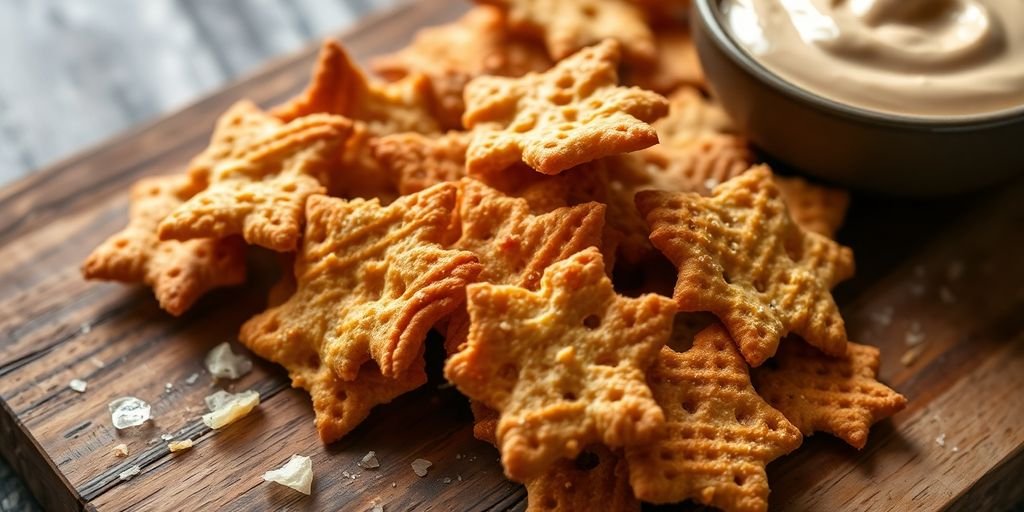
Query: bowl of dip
909,97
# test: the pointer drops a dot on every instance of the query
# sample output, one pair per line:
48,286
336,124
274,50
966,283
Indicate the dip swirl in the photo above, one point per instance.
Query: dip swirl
910,57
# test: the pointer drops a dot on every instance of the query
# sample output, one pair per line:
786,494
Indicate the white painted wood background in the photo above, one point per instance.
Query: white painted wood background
76,72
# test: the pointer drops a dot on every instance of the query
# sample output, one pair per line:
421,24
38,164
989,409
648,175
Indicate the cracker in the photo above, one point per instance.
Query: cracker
371,282
414,161
241,125
261,191
514,246
339,87
597,479
453,54
720,433
571,114
814,207
564,365
699,166
691,116
818,393
178,272
741,257
567,26
677,64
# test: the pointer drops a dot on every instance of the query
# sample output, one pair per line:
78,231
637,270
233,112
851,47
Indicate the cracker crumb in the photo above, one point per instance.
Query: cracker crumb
97,362
941,439
910,356
710,183
459,477
419,466
78,385
168,387
121,451
129,473
297,474
956,449
222,363
226,408
178,446
85,328
369,461
447,480
566,355
192,379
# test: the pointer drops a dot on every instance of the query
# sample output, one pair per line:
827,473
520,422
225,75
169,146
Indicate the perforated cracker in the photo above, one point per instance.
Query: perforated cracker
821,393
261,191
515,246
741,257
339,87
699,165
814,207
237,128
178,272
453,54
564,365
566,26
597,479
571,114
371,282
719,433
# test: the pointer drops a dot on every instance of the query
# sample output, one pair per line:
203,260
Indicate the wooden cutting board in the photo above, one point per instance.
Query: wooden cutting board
947,272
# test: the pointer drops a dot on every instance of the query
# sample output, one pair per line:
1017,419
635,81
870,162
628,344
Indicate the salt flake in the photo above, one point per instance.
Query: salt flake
941,440
128,411
192,379
419,466
166,437
130,472
225,364
369,461
227,408
297,473
78,385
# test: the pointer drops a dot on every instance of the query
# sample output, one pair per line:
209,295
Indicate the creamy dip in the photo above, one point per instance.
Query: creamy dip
910,57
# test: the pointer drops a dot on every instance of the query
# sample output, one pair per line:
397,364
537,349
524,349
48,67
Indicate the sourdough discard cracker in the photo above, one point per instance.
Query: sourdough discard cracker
719,433
566,26
814,207
241,125
453,54
564,365
571,114
742,258
817,392
371,282
178,272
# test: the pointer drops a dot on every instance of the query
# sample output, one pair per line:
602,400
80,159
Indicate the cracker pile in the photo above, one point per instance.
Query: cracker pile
518,181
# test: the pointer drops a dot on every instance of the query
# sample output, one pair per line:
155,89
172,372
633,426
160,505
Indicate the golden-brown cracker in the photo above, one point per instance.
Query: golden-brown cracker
453,54
571,114
178,272
515,247
564,366
261,191
742,258
339,87
566,26
814,207
359,173
817,392
371,281
698,166
597,479
719,433
677,64
691,116
414,162
241,125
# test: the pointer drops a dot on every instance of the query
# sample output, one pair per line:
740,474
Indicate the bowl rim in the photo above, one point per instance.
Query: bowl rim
709,14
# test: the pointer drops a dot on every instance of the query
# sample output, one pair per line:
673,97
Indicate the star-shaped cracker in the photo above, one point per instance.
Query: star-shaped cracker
260,192
821,393
453,54
571,114
564,365
339,87
371,281
741,257
514,246
720,433
814,207
178,272
414,161
242,124
566,26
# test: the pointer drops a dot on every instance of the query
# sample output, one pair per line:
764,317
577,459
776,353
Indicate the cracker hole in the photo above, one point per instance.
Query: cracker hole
341,395
569,396
174,272
121,243
565,81
200,252
288,187
743,416
586,461
550,503
614,395
592,322
508,371
155,191
689,406
589,11
667,455
738,480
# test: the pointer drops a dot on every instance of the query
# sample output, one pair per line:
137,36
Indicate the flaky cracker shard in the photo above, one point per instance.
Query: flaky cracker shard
515,246
719,433
571,114
414,161
741,257
371,282
564,366
453,54
261,191
597,479
239,126
566,26
814,207
178,272
339,87
828,394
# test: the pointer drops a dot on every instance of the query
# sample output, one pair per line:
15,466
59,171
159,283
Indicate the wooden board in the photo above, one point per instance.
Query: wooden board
948,271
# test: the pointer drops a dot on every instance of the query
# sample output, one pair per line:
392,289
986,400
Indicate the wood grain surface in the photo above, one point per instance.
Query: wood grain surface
947,272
